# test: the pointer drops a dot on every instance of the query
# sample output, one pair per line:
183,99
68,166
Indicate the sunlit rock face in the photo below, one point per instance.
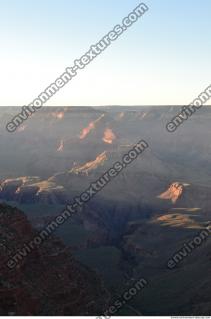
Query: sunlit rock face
109,136
174,192
90,166
32,190
91,126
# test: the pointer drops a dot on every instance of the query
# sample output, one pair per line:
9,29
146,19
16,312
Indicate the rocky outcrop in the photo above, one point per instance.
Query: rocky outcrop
174,191
90,166
49,281
32,190
108,136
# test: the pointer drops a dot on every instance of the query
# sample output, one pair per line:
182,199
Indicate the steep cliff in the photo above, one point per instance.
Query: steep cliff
49,281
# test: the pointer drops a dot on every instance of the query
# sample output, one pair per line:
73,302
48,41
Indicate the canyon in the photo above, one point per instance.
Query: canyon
136,223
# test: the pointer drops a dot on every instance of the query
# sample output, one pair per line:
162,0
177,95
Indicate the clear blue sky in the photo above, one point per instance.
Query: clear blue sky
164,58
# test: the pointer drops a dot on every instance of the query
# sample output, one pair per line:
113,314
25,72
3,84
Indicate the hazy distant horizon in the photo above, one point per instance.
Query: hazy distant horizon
101,106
